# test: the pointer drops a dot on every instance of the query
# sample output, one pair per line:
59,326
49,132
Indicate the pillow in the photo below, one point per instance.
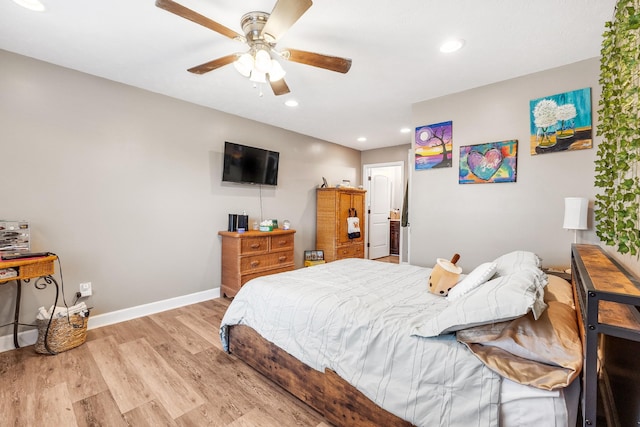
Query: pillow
559,290
477,277
516,261
545,353
500,299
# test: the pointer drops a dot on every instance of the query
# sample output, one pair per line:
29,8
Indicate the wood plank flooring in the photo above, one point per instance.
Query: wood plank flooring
165,369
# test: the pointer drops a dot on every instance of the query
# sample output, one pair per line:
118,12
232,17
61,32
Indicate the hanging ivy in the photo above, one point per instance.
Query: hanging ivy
616,166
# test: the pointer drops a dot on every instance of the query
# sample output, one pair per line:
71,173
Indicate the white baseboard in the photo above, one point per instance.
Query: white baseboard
30,336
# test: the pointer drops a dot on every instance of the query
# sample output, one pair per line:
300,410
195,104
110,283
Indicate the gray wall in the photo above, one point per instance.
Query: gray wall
125,185
482,221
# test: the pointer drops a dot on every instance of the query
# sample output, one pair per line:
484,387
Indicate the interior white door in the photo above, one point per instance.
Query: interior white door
379,216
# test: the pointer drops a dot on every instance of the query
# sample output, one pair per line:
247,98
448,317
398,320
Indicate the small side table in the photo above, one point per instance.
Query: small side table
28,268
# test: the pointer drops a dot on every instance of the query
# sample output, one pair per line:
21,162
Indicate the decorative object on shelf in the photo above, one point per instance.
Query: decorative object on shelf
266,225
286,224
434,144
488,163
561,122
315,255
575,215
14,236
617,205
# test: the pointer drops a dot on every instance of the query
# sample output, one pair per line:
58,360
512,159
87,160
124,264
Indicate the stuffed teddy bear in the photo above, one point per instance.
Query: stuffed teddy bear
444,276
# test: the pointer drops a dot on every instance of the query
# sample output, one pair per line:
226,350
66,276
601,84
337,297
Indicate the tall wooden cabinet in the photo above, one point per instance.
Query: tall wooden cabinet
332,211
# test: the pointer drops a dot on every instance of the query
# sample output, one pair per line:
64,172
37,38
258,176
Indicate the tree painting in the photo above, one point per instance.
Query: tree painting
433,146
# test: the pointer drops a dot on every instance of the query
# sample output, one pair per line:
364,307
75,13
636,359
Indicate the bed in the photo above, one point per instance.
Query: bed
366,344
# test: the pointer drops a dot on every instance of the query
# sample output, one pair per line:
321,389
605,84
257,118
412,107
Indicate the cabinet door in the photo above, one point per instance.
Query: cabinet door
345,202
357,202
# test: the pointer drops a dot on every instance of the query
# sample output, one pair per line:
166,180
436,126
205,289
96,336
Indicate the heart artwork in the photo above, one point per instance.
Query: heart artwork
484,166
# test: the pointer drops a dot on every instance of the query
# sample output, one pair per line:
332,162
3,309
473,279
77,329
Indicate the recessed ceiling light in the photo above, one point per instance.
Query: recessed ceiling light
362,139
291,103
451,45
405,130
35,5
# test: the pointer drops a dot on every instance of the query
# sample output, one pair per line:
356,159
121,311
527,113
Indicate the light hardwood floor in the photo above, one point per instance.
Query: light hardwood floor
167,369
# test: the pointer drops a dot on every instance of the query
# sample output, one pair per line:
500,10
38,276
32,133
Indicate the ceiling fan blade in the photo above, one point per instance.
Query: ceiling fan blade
332,63
284,14
212,65
189,14
279,87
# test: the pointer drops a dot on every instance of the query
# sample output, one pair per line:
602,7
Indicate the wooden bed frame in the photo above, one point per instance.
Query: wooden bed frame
340,402
344,405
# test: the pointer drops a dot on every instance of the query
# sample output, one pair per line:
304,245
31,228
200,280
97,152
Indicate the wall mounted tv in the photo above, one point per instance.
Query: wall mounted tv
249,165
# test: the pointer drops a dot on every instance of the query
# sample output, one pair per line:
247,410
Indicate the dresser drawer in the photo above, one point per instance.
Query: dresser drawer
282,242
350,251
254,245
266,261
247,277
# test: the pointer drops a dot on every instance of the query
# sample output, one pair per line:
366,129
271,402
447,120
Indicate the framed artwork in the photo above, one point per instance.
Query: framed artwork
313,255
561,122
433,146
488,163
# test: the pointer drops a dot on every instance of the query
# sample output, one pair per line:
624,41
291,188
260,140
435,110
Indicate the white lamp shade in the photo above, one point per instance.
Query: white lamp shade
263,61
575,213
244,64
258,77
277,72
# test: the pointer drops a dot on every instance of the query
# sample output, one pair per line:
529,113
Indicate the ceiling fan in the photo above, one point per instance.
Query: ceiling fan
261,33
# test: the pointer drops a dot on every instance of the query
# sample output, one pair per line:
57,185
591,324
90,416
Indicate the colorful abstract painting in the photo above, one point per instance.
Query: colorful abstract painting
433,146
486,163
561,122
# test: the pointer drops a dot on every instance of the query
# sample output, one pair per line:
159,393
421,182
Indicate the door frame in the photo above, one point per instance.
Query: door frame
366,173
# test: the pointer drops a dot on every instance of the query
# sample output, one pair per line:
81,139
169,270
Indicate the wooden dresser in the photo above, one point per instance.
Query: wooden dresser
332,211
253,254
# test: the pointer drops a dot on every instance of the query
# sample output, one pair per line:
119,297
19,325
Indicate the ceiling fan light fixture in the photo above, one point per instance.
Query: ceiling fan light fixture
277,72
244,64
258,76
263,61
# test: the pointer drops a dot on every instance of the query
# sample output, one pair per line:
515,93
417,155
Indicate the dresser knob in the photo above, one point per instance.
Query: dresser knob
282,258
255,245
255,263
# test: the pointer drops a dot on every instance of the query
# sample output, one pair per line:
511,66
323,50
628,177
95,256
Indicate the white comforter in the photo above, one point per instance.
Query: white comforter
354,316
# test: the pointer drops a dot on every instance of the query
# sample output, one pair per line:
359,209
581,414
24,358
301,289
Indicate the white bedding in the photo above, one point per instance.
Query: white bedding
355,317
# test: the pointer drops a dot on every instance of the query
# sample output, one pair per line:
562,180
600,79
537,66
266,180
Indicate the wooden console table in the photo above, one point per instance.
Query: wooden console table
607,298
28,268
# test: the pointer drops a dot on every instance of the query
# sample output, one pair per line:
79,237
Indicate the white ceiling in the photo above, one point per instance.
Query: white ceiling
393,45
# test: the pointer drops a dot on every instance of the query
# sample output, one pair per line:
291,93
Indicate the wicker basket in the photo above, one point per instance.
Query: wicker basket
64,334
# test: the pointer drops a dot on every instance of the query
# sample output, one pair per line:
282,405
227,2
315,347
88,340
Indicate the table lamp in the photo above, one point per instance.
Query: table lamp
575,214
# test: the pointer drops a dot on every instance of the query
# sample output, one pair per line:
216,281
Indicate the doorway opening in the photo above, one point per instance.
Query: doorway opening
384,183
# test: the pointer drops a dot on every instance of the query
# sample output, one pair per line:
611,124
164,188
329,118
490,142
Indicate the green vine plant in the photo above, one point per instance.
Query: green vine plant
616,167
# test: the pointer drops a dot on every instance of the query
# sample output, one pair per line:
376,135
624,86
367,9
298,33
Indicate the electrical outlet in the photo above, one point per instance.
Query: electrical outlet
85,289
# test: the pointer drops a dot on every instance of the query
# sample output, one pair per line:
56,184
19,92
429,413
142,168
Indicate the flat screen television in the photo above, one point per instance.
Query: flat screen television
249,165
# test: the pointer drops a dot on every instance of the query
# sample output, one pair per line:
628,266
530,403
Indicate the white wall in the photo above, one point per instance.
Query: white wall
482,221
125,185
